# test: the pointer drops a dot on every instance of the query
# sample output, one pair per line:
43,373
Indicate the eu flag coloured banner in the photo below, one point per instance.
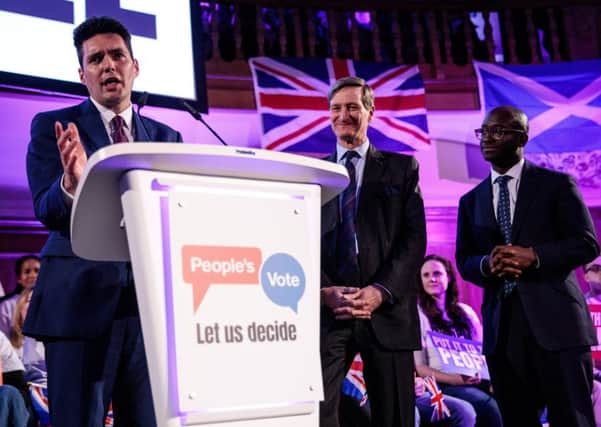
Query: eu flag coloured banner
561,100
291,100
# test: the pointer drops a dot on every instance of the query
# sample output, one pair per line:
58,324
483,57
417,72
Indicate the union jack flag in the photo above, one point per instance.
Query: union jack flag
109,420
354,383
441,411
291,100
39,400
561,100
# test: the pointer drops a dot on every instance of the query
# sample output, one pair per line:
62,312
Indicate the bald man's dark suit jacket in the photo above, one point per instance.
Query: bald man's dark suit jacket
391,235
551,217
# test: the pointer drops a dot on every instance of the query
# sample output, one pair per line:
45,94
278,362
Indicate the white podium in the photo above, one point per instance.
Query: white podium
225,246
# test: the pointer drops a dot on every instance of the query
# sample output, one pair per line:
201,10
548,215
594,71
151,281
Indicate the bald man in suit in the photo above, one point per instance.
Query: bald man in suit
521,233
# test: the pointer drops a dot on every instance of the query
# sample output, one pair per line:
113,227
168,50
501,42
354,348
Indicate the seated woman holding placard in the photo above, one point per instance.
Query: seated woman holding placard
440,311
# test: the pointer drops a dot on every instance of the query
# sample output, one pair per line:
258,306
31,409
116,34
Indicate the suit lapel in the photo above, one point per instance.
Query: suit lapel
375,167
139,129
484,205
91,129
330,211
526,194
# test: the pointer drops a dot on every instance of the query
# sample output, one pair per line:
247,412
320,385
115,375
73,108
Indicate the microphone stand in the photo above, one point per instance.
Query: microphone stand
198,117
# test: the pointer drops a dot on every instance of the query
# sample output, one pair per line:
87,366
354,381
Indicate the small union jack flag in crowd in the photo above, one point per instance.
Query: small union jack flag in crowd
291,100
39,400
354,383
109,419
441,411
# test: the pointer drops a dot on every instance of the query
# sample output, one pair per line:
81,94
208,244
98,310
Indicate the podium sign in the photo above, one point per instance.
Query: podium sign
241,287
224,245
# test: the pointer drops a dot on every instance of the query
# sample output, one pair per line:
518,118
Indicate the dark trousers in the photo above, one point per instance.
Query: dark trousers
526,377
84,376
388,375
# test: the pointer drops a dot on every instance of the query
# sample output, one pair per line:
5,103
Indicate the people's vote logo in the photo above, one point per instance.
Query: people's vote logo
281,275
219,265
283,280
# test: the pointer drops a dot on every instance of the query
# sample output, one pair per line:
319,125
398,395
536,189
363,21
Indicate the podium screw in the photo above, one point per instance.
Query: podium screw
192,396
180,204
296,211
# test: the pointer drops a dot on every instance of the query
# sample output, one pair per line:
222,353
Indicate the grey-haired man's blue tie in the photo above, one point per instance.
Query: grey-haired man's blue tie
346,246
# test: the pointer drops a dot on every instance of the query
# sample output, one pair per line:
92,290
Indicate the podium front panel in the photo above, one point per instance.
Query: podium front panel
237,267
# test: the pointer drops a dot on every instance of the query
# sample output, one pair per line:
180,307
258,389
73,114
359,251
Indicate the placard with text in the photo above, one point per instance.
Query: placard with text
460,355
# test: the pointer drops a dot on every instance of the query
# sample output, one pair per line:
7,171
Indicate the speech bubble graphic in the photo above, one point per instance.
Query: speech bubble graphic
204,266
283,280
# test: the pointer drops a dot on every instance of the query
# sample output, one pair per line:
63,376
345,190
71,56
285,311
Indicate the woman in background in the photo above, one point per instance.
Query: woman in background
440,311
29,350
26,268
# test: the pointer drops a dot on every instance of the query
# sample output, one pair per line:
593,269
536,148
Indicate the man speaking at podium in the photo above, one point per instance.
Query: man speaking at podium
373,243
86,311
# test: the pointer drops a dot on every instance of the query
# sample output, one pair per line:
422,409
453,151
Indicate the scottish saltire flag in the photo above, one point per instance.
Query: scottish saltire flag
354,384
562,101
291,100
441,410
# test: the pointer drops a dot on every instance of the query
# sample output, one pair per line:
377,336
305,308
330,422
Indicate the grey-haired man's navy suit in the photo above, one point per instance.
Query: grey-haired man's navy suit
391,240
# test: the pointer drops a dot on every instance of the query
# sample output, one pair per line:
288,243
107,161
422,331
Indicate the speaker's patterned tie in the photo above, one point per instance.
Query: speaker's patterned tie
346,247
504,221
118,126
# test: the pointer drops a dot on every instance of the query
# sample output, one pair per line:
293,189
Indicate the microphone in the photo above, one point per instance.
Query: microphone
194,112
141,102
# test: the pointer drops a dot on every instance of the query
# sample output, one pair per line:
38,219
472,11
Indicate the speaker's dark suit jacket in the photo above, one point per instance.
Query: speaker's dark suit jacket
85,311
73,298
551,217
391,235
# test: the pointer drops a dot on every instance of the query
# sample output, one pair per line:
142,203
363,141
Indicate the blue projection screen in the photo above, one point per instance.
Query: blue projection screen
37,46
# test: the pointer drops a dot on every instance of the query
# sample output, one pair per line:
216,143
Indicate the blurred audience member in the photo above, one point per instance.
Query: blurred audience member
440,311
592,276
26,268
13,371
29,350
13,411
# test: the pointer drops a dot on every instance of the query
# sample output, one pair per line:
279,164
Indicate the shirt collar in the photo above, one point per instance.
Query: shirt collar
515,171
107,114
361,150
